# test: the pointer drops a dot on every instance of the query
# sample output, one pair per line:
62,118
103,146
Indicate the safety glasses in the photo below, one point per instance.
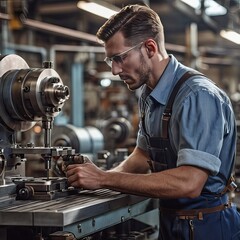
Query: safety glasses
118,58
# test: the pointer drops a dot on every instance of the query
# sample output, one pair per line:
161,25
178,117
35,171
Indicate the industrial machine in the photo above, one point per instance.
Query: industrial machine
47,207
88,140
28,96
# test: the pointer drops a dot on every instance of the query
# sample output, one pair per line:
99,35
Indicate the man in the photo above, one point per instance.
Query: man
190,147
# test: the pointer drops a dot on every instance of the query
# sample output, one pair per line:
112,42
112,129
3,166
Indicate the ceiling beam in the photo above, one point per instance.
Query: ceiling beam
195,16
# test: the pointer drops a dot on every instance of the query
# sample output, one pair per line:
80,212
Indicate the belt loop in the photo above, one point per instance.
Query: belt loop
200,216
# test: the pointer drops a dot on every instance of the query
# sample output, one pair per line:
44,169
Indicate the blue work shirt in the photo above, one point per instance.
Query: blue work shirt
202,128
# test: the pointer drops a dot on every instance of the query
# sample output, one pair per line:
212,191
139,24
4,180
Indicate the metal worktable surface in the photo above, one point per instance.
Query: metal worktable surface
81,214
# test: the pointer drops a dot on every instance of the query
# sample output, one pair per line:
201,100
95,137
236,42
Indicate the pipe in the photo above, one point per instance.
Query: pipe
54,29
27,48
73,48
5,16
59,30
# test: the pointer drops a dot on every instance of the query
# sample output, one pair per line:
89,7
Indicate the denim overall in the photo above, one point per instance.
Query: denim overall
217,225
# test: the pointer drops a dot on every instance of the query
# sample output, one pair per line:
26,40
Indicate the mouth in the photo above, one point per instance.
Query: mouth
123,78
126,79
128,82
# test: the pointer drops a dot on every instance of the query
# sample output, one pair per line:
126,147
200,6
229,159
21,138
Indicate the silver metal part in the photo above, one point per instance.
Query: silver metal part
83,140
116,130
28,95
2,170
42,188
81,214
8,63
11,61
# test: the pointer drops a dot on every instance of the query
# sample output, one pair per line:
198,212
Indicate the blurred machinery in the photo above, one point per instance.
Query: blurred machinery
103,144
46,207
116,132
117,129
84,140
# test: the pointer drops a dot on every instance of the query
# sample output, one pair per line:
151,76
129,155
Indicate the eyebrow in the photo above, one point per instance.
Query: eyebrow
126,51
115,55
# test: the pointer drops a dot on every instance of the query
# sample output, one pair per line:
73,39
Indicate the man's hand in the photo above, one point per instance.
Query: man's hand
86,175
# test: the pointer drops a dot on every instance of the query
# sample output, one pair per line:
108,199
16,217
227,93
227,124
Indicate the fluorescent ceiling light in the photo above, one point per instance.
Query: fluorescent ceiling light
192,3
99,9
212,8
231,36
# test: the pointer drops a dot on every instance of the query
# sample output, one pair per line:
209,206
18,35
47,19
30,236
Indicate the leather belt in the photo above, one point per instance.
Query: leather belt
194,213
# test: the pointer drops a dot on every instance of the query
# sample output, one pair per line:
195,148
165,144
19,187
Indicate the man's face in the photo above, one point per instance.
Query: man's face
127,61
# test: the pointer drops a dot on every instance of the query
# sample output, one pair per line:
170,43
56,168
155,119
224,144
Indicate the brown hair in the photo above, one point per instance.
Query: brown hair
136,22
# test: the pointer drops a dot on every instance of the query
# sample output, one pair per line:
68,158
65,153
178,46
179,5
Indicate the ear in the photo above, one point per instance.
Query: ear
151,47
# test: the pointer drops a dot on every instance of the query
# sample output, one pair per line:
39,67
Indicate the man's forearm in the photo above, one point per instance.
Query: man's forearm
173,183
137,162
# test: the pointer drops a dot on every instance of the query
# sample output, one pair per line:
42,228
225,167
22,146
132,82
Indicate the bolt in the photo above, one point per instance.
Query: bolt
26,89
79,228
47,64
30,145
55,80
54,109
93,222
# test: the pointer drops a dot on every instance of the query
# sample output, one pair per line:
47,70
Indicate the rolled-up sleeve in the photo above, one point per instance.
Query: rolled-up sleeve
199,128
199,159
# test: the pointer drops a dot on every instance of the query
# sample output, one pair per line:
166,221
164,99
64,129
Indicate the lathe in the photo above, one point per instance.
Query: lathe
46,207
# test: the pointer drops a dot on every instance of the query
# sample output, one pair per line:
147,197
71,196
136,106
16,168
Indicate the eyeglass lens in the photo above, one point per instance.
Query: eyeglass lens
119,57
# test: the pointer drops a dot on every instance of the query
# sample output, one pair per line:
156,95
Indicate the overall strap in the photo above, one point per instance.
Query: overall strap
168,110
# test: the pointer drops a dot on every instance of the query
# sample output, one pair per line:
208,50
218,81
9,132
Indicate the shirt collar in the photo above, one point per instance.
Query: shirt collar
166,82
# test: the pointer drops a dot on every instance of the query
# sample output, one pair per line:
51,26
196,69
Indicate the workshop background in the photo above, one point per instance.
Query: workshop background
98,115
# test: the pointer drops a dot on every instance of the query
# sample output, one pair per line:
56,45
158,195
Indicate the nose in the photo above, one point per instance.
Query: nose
116,68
